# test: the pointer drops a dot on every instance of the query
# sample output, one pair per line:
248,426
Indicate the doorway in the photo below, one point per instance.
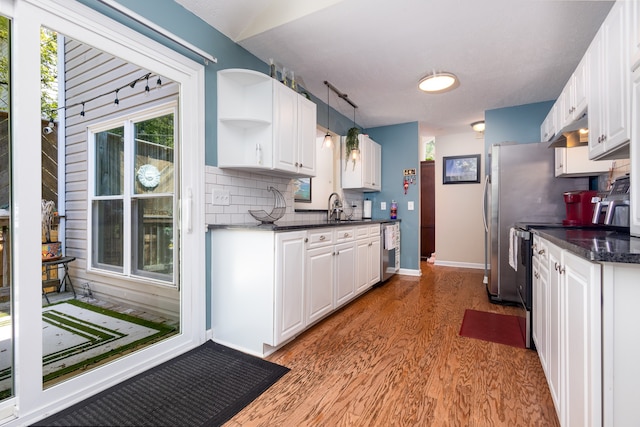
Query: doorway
427,209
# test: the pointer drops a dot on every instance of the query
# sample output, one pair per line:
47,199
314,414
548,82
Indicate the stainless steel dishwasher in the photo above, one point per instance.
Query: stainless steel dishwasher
389,249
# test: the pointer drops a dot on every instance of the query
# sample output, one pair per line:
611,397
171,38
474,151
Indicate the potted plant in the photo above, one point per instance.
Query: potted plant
51,248
352,146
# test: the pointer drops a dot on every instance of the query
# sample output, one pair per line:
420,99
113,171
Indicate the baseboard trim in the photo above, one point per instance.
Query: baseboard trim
409,272
473,265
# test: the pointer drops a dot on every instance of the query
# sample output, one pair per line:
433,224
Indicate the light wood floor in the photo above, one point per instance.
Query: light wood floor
394,357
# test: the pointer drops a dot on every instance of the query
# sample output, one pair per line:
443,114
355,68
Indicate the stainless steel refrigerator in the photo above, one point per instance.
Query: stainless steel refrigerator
521,188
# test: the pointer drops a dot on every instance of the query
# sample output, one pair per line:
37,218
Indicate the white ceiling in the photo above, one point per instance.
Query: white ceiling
505,52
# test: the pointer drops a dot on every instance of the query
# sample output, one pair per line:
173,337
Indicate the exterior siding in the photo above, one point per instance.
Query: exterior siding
90,73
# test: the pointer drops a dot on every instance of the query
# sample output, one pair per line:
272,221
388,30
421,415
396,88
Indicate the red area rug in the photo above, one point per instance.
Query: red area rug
498,328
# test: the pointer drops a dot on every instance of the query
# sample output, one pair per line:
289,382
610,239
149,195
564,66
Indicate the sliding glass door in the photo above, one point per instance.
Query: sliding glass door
96,163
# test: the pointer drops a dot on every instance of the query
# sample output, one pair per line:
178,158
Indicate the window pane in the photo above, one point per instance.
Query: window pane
110,162
154,155
153,237
107,234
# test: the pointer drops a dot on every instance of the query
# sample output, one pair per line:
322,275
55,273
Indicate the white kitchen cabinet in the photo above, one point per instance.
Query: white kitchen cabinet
264,126
257,288
574,162
633,19
319,285
540,305
634,154
345,266
609,88
573,99
289,285
581,341
367,257
365,174
572,314
554,354
549,126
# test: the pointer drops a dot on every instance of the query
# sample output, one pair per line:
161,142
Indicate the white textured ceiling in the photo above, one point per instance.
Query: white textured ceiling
505,52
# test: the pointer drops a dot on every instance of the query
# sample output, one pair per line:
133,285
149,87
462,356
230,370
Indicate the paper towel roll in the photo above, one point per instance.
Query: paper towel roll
366,211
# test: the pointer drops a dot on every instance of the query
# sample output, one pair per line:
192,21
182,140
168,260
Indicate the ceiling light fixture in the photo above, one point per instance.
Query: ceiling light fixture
478,126
328,140
438,82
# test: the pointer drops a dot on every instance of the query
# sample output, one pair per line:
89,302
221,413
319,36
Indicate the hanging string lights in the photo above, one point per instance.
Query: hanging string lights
115,92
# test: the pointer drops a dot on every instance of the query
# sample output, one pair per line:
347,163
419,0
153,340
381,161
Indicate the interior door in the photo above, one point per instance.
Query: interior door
427,209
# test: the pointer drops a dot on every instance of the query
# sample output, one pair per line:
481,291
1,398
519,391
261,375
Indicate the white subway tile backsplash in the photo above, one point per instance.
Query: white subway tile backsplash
249,191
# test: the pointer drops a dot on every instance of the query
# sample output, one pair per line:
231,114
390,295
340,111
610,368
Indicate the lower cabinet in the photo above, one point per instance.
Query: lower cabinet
567,332
368,257
267,287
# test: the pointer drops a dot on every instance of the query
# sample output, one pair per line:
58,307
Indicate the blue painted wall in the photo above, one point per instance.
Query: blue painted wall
399,152
518,124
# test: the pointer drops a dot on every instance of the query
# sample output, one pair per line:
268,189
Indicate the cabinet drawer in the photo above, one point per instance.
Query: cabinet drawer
362,232
344,234
321,237
374,230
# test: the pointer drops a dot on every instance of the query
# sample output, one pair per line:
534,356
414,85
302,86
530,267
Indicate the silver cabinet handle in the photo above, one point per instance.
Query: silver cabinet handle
541,252
306,239
346,234
322,237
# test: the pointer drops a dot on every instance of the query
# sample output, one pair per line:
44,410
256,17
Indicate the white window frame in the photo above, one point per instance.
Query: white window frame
127,121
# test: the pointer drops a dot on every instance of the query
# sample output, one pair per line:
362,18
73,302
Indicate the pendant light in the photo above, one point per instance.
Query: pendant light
328,140
355,152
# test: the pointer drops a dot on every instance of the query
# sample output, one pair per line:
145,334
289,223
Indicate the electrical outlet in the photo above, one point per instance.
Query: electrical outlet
221,197
383,206
410,205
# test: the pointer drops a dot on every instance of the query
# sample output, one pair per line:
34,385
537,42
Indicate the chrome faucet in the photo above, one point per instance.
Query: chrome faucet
334,211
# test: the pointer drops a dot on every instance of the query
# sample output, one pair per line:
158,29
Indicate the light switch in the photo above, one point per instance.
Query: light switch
410,205
383,206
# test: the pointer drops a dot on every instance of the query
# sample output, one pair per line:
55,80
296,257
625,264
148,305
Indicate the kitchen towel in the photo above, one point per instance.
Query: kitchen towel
513,248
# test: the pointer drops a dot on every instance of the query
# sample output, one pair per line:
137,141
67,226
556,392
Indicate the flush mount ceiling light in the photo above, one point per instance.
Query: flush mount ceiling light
438,82
478,126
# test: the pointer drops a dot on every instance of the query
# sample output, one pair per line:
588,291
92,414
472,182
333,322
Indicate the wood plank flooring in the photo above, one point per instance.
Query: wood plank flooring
394,357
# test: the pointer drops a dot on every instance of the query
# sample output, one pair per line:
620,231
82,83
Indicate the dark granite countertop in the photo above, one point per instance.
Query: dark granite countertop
298,225
594,244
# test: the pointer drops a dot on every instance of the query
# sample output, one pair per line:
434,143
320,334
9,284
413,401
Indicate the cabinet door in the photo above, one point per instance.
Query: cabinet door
633,14
345,272
289,285
375,257
566,104
580,87
306,137
362,264
540,306
285,131
554,327
617,78
319,283
582,342
596,114
376,165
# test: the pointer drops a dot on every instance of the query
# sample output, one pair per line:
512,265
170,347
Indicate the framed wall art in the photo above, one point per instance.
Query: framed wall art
461,169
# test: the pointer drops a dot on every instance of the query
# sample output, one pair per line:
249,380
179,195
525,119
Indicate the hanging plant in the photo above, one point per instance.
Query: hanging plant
351,143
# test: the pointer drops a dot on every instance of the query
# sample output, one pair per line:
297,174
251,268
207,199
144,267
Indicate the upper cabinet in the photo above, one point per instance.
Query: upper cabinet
633,20
609,88
549,126
365,173
264,125
574,162
573,99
